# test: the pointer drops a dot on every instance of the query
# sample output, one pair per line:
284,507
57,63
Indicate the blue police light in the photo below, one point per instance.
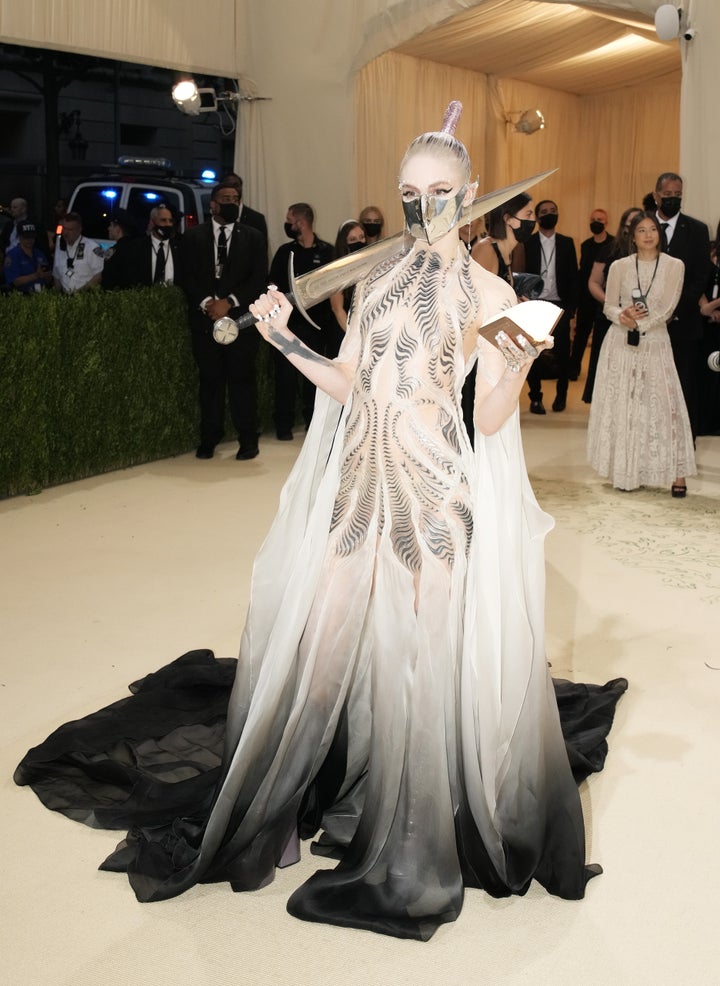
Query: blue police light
208,175
109,193
151,196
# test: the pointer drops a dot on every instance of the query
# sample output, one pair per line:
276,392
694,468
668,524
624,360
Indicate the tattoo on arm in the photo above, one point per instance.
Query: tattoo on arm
289,346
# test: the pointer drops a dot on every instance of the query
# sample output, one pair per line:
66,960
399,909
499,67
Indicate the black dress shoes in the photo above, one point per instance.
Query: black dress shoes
247,452
205,452
284,436
536,407
559,404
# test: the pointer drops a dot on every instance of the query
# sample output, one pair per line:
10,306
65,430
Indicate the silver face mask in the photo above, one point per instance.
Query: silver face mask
432,216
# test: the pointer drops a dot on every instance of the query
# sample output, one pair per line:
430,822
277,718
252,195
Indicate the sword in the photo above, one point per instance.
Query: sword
310,289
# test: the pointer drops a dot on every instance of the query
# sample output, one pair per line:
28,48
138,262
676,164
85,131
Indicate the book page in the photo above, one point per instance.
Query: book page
534,319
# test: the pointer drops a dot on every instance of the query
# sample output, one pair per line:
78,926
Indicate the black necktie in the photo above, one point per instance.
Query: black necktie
663,227
222,251
159,265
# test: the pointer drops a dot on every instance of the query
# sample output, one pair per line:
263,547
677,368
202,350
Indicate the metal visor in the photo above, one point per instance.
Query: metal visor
432,216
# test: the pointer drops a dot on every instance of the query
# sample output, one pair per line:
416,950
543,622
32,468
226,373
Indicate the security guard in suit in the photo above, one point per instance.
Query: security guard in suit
224,268
552,255
688,240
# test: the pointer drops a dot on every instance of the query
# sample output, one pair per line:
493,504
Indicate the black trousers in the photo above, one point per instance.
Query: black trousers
227,369
561,354
686,353
583,327
600,330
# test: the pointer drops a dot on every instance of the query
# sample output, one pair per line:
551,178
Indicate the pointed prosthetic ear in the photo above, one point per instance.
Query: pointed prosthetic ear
471,193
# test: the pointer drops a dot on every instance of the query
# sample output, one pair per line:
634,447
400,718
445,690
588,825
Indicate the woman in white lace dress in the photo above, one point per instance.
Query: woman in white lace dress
639,430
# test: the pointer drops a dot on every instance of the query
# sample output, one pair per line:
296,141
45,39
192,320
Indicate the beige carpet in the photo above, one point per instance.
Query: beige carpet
110,578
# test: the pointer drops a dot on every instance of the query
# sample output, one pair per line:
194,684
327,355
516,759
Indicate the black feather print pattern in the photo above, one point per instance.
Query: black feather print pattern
425,304
402,473
357,495
403,534
436,533
380,344
405,349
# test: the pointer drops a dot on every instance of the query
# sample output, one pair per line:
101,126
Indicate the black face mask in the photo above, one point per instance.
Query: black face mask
548,221
525,230
352,247
596,227
290,231
372,229
670,206
229,211
164,232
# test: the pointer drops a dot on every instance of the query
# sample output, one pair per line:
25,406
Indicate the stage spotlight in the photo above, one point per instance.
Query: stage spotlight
187,97
530,122
193,101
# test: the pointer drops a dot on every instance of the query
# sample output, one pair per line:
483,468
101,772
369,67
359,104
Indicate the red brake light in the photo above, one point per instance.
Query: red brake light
190,219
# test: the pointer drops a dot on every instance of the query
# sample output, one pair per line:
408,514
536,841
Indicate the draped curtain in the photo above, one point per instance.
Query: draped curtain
608,148
305,143
397,98
197,36
699,131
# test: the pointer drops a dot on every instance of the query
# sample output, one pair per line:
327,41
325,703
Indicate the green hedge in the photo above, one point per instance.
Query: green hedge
94,382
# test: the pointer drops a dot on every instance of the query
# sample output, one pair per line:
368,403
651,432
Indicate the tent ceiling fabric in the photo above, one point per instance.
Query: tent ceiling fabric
168,33
583,50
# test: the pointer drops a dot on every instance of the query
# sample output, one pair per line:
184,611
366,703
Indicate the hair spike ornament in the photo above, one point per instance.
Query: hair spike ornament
451,117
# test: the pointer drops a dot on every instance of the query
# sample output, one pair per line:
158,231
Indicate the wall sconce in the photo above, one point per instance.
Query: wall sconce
529,122
670,23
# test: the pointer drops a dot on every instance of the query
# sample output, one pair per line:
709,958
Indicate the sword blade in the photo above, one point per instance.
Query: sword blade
318,285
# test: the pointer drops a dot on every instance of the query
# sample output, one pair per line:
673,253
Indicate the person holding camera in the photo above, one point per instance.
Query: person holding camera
639,430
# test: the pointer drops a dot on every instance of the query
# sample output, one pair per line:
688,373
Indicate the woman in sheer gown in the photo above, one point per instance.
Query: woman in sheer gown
392,686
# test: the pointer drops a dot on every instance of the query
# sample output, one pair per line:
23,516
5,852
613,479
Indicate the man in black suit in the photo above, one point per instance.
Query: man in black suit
224,269
553,257
247,215
308,252
688,240
140,261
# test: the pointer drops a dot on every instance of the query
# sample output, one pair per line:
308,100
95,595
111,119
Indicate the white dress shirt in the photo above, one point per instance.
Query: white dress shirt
547,267
158,244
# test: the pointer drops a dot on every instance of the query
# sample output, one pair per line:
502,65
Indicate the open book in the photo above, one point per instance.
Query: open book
533,319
